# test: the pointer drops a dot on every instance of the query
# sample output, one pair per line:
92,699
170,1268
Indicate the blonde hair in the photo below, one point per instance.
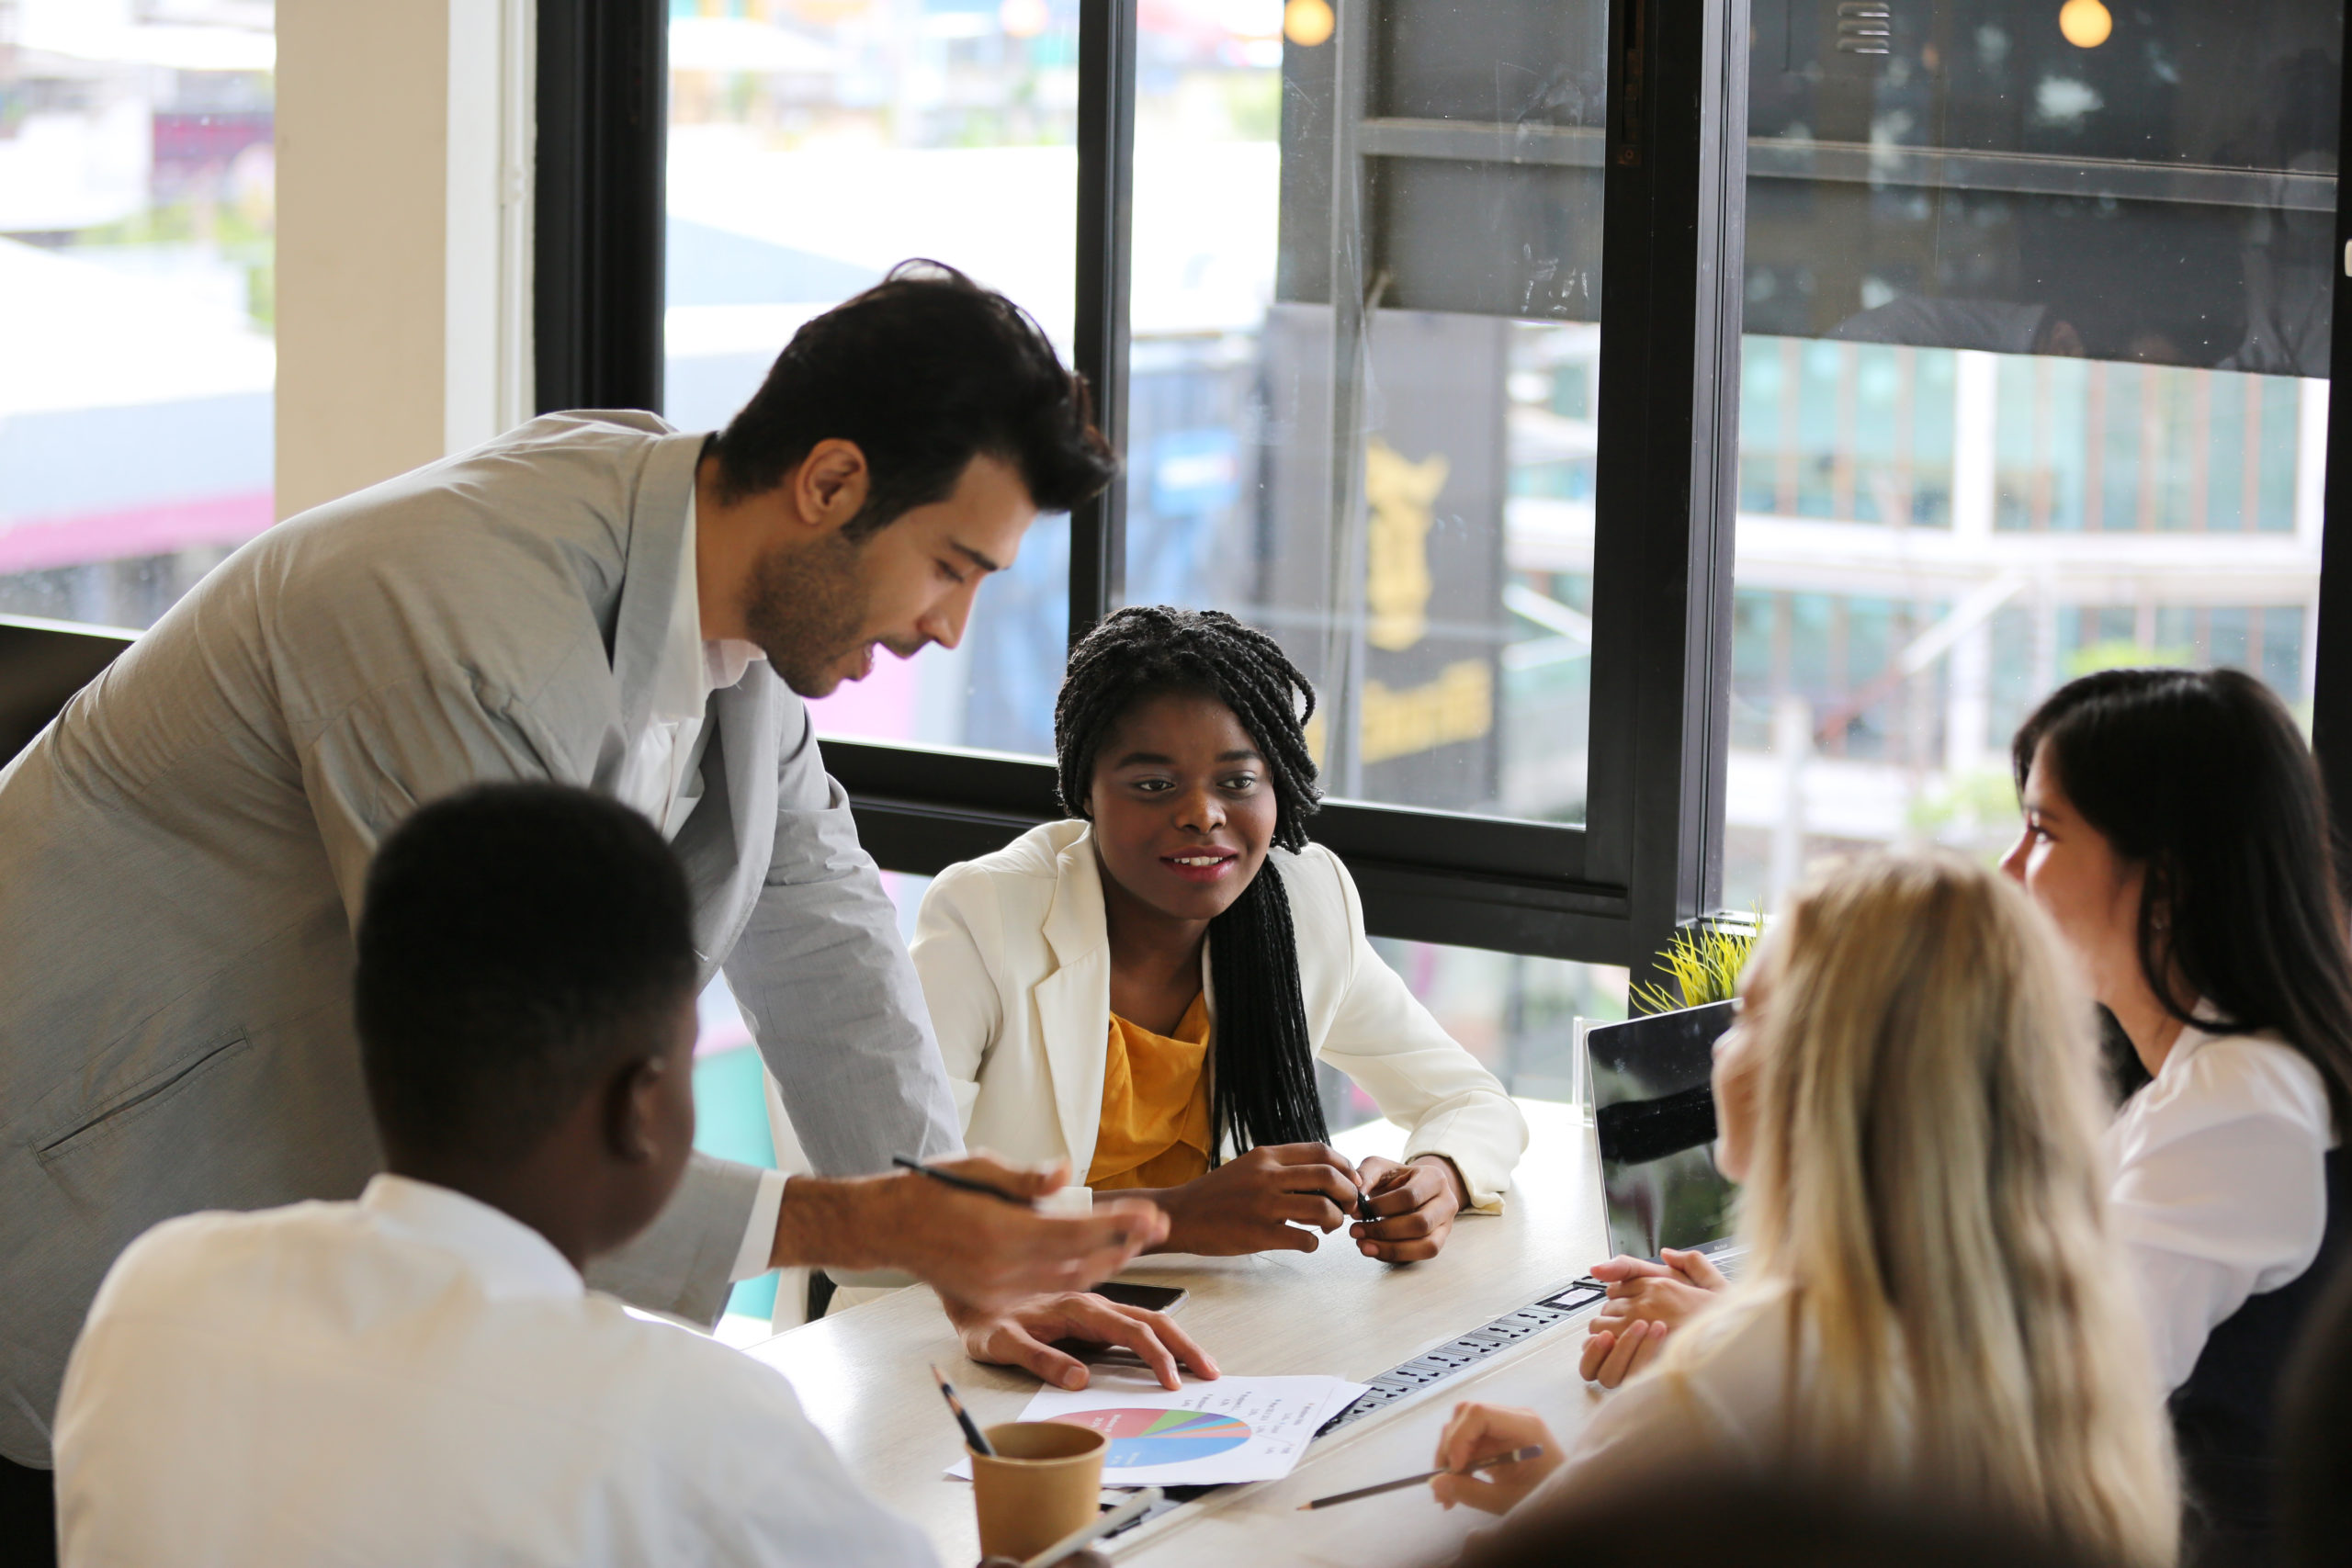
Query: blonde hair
1924,1198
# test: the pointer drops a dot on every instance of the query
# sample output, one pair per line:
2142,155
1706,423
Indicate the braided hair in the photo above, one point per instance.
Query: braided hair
1263,1061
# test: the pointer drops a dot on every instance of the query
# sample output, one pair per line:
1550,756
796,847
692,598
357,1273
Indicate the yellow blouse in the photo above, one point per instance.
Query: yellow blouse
1155,1128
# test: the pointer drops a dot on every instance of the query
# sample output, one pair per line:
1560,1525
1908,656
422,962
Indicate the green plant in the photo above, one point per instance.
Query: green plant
1704,963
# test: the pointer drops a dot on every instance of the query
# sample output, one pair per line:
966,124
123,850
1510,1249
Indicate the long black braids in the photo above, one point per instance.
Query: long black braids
1262,1080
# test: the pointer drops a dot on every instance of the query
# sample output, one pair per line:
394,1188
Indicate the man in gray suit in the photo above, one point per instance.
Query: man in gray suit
596,600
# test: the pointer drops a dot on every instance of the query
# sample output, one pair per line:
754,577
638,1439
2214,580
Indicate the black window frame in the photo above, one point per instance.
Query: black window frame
1648,858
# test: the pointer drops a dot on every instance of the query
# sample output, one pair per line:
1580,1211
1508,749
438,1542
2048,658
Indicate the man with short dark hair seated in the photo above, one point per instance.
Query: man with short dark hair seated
420,1376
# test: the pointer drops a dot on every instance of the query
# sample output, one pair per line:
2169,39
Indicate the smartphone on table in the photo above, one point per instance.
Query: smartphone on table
1151,1298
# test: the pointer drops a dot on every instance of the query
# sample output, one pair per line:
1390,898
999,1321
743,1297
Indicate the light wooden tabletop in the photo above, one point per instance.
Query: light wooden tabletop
861,1373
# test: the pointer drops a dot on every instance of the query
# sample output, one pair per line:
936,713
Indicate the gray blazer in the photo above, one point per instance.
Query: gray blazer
182,854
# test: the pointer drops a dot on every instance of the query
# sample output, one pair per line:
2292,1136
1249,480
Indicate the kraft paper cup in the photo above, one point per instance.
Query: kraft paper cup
1044,1481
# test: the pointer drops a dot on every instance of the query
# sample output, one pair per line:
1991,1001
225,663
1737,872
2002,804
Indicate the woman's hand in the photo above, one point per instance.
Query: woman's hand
1246,1204
1413,1207
1646,1301
1483,1431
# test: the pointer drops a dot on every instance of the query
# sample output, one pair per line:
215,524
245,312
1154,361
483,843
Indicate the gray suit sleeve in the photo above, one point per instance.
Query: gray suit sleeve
826,985
681,1265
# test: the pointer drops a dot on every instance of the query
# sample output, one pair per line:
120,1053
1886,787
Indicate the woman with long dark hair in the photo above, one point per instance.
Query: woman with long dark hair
1143,990
2176,831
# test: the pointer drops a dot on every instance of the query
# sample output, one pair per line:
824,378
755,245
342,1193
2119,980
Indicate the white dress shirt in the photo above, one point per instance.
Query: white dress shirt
2221,1184
419,1377
661,778
662,775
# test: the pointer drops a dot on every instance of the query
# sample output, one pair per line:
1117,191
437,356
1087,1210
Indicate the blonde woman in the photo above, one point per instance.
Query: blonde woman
1931,1303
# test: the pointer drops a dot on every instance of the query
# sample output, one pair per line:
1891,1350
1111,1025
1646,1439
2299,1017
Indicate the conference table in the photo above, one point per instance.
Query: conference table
862,1375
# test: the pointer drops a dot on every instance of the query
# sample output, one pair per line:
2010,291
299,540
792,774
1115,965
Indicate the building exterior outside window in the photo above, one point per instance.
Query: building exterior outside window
2036,384
136,259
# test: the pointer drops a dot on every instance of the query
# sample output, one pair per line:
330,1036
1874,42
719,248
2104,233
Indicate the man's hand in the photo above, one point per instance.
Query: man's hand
1646,1301
975,1248
1021,1335
1246,1204
1483,1431
1413,1207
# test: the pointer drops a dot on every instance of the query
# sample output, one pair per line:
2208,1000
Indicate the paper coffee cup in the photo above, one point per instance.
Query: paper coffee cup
1044,1482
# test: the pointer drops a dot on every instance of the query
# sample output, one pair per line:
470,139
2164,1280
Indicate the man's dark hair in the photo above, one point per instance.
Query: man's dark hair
924,371
1261,1075
517,943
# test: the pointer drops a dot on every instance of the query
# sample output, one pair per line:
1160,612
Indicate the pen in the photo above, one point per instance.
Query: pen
972,1434
1529,1451
1119,1518
962,1183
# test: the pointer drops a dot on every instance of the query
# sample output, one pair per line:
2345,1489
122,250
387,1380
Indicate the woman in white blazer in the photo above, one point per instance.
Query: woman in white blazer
1180,942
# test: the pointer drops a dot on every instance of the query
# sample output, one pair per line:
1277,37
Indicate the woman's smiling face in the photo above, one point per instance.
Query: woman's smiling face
1182,806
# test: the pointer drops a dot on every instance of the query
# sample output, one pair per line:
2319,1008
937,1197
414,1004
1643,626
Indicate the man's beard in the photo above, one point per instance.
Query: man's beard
806,610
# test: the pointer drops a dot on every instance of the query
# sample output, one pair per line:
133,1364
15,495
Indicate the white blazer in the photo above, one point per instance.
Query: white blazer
1015,962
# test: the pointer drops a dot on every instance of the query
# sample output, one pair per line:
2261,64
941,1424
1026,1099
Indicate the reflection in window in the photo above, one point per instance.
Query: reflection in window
813,144
1402,494
2034,385
136,217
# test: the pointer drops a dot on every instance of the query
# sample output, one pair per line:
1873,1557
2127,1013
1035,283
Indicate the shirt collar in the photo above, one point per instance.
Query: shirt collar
688,669
509,1258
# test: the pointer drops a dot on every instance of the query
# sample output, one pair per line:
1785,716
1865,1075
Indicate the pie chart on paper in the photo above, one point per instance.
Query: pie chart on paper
1141,1437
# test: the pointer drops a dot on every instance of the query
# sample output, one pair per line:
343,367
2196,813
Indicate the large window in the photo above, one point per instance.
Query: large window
1951,348
2035,383
813,144
1402,493
136,215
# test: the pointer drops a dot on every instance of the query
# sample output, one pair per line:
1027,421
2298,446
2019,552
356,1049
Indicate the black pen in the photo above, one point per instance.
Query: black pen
962,1183
971,1434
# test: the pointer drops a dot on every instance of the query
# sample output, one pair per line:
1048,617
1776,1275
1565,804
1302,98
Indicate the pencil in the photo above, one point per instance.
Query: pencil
962,1183
1529,1451
972,1434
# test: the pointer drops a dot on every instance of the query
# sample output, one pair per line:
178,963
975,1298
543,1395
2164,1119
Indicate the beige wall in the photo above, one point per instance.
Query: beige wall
403,253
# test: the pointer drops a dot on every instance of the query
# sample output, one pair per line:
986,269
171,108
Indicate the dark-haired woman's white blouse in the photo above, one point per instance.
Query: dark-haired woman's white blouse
2221,1184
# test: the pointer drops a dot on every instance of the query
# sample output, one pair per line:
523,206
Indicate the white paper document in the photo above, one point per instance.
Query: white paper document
1205,1434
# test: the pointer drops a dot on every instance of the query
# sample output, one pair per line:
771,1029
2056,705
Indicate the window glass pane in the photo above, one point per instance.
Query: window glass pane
1516,1014
136,251
815,143
1403,497
2034,384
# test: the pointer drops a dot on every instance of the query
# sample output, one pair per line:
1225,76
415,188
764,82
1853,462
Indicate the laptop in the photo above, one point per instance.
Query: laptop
1649,1081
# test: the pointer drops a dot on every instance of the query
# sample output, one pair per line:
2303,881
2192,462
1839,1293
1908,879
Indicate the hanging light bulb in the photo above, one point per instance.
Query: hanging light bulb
1307,22
2085,24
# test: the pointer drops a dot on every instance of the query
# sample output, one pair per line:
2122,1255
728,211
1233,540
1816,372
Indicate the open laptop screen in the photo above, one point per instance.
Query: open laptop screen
1653,1114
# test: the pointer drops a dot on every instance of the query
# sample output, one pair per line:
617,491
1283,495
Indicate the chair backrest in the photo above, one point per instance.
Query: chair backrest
42,664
